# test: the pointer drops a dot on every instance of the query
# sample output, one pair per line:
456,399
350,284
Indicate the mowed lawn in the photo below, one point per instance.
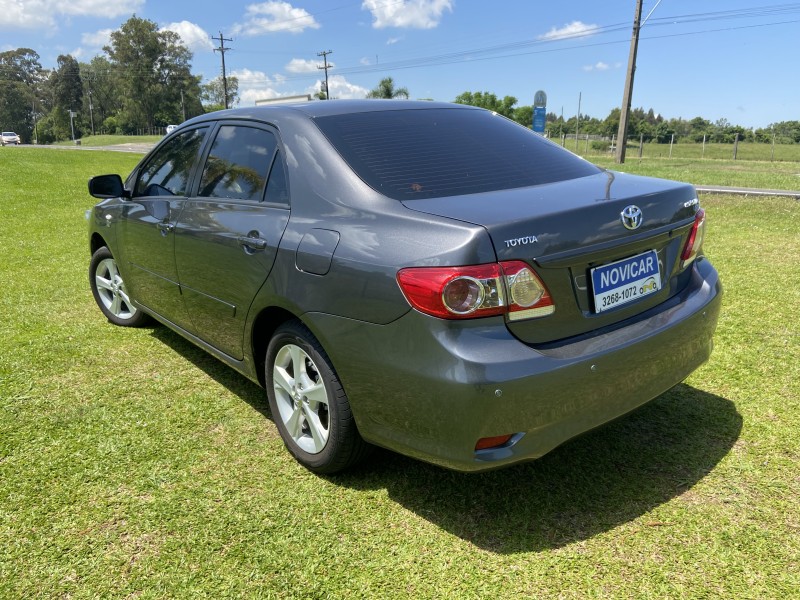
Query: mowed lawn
133,465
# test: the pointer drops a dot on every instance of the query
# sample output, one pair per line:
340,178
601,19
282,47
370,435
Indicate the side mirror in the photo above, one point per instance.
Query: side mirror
108,186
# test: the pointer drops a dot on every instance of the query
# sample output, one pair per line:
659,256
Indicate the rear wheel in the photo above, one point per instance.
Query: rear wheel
308,404
110,293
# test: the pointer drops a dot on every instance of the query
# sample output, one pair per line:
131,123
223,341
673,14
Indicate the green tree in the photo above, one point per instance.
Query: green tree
784,132
66,92
101,89
153,68
489,101
699,128
611,123
386,90
212,94
524,115
21,79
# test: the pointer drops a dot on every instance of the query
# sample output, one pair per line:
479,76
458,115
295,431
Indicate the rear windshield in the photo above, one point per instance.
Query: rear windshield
432,153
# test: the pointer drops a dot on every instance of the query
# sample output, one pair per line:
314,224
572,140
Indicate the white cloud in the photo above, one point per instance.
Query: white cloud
575,29
415,14
393,40
274,16
194,37
300,65
98,39
248,78
340,88
254,85
249,97
45,14
95,8
599,66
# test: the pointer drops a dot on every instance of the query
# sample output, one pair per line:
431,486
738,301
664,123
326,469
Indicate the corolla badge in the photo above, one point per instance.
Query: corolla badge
631,217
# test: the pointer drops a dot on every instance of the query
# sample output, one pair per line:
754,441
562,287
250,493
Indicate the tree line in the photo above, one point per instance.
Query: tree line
143,82
647,126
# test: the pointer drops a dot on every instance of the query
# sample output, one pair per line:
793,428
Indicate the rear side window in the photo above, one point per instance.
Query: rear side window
168,170
431,153
238,164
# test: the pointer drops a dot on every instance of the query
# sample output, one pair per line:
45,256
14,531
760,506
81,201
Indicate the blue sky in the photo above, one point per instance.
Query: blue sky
732,59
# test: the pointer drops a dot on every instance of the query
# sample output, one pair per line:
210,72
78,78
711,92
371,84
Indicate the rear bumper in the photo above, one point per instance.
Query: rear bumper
431,389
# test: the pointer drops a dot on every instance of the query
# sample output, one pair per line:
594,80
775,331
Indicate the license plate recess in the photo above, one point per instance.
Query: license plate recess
626,280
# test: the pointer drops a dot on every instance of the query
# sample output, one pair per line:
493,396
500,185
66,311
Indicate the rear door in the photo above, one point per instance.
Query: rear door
228,233
146,243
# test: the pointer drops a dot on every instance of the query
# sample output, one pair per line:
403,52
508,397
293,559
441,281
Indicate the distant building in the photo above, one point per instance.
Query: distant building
285,100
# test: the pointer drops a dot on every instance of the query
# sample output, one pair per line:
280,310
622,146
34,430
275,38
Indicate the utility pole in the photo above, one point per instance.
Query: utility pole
578,122
622,134
324,55
91,111
72,115
222,49
36,131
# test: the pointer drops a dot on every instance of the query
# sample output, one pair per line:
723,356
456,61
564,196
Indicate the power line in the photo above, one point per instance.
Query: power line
528,47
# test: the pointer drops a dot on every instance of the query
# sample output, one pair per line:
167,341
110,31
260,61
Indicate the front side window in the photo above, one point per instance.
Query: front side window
168,170
238,164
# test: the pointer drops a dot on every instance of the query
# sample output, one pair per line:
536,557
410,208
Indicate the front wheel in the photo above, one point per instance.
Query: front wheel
110,293
308,404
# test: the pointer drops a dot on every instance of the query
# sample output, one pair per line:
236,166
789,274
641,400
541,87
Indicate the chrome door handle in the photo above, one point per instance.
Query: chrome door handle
254,243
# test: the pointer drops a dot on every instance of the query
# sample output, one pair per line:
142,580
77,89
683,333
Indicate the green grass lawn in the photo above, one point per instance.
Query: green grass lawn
739,173
132,464
113,140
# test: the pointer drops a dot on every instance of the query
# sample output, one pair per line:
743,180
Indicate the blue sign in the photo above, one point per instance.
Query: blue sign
539,118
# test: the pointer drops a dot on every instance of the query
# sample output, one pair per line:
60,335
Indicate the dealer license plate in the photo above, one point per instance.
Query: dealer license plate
626,280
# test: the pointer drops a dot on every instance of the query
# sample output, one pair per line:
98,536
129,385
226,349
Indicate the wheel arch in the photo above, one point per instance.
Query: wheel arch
96,241
264,326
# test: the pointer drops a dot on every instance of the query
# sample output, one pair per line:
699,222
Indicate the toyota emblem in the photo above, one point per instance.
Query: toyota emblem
631,217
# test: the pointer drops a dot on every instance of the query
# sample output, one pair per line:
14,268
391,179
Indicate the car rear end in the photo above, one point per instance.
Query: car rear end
599,299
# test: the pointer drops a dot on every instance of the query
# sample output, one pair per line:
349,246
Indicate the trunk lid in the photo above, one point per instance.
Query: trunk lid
564,230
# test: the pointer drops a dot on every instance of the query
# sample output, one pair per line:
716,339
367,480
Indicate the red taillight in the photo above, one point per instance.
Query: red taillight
454,292
695,241
476,291
493,442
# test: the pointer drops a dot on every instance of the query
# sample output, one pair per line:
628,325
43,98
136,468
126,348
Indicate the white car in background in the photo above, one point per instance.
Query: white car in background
9,137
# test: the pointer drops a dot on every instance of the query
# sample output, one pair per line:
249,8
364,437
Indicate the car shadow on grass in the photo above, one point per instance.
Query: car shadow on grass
598,481
231,379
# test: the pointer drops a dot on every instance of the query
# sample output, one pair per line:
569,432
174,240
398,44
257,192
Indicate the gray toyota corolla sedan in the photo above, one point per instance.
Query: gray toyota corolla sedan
427,277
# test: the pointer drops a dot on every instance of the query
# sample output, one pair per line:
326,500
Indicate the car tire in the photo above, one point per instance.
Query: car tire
308,403
110,293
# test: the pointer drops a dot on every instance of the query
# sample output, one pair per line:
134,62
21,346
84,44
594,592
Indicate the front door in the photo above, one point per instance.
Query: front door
146,233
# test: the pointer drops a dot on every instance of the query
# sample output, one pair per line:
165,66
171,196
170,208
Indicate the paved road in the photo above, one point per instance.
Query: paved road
721,189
